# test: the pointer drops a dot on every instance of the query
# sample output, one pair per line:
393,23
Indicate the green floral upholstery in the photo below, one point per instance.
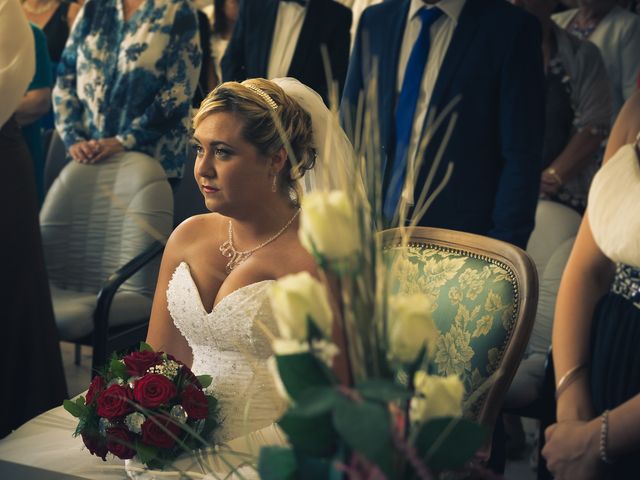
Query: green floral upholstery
472,299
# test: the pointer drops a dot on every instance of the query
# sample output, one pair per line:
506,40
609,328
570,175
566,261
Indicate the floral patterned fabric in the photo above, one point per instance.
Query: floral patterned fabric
131,80
472,302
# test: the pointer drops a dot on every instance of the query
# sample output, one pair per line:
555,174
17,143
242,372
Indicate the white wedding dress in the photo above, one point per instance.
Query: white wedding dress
232,344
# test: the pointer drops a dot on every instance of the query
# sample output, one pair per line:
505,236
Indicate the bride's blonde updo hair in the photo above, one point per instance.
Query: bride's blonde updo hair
271,120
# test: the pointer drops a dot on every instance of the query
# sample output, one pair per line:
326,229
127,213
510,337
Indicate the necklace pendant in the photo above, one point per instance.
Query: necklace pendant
235,257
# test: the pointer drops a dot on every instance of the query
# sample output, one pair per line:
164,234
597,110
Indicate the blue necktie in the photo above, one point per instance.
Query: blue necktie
406,109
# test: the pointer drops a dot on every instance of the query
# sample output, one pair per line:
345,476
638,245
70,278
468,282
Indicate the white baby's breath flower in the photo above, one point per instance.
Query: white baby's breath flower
410,327
329,225
436,397
294,299
168,368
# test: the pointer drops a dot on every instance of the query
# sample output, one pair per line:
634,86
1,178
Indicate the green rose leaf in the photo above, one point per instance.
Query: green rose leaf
447,442
301,371
365,427
311,436
277,463
118,369
314,468
205,380
315,401
145,347
76,408
146,453
383,390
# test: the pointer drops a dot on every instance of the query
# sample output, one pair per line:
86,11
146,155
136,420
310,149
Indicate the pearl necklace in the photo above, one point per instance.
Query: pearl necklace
39,9
235,257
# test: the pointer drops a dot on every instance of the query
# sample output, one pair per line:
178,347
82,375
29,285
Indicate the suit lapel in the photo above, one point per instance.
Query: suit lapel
462,36
265,23
308,36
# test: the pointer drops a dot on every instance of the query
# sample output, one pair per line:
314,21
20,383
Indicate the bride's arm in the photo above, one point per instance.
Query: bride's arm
163,334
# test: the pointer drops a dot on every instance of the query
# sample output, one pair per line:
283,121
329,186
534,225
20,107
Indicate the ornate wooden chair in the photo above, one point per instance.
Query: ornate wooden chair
484,294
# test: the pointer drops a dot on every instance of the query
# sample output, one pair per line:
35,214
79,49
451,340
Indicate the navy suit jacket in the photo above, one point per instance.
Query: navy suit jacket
326,23
494,65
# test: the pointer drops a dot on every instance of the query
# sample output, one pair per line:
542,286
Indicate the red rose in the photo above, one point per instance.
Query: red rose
97,384
189,376
160,431
120,443
194,402
153,390
114,402
138,362
95,445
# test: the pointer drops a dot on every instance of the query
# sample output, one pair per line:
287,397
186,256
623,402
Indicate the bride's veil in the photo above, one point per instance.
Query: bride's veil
335,155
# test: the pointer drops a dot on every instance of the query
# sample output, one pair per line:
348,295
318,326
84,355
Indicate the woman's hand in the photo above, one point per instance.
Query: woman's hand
549,184
107,147
83,151
572,450
93,151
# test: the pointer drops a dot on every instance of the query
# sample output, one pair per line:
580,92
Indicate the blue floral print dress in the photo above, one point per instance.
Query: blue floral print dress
132,79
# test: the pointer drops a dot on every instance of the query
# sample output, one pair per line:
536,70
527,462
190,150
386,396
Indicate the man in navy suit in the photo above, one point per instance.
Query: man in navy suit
484,54
278,38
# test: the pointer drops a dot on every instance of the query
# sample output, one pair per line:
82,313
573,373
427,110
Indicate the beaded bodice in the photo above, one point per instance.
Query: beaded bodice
231,345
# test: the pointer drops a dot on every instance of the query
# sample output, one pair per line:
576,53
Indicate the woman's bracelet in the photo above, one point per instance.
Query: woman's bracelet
553,173
604,438
568,378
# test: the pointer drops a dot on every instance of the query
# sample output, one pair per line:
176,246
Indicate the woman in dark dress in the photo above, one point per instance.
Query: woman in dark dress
33,378
596,333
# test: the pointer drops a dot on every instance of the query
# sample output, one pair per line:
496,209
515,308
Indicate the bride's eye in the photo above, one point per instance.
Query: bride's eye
222,152
197,149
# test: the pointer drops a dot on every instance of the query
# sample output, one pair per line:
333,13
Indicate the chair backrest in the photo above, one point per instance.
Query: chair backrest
55,160
483,293
188,198
96,218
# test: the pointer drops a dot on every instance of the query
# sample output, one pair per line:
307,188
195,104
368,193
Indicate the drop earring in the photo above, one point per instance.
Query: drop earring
274,185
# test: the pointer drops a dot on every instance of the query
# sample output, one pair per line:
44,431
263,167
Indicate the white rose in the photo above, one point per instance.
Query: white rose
296,297
410,326
329,225
436,397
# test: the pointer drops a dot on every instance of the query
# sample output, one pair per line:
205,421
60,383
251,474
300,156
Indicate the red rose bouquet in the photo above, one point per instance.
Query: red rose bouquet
145,404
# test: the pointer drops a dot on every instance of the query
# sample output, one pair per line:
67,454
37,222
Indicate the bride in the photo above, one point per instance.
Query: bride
211,308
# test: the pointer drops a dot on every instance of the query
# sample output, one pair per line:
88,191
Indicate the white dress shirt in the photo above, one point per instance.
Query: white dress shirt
17,57
286,32
441,32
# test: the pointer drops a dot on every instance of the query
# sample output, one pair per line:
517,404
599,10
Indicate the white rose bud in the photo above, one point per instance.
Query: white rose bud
329,225
436,397
410,326
296,297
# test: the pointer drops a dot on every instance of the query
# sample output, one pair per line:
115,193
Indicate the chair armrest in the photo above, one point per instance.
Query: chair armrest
108,292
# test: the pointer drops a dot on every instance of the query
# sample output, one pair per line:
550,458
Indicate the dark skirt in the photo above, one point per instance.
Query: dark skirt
615,355
32,375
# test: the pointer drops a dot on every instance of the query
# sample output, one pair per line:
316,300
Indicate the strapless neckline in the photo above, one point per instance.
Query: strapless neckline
225,299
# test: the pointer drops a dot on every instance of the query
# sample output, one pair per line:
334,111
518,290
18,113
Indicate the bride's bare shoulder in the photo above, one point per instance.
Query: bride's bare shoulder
194,230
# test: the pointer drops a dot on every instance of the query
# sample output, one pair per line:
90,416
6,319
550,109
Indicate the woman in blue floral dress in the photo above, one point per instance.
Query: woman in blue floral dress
126,79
